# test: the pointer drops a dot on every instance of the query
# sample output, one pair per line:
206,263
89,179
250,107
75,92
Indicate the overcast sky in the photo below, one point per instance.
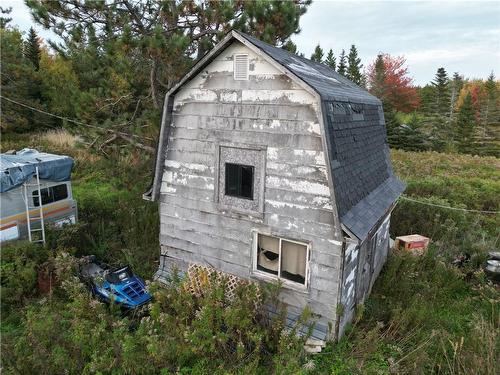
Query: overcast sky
460,36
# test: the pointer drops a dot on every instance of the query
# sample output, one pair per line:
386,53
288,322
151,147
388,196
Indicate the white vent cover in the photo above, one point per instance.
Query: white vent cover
241,67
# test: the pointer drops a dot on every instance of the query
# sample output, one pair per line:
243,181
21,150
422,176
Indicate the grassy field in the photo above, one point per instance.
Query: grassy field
423,317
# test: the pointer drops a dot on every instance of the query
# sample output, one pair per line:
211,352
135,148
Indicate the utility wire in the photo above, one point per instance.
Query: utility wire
73,121
448,207
136,136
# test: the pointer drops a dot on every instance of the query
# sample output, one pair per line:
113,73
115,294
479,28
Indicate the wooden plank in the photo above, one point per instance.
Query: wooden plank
237,123
298,185
296,156
244,238
282,111
204,250
191,145
313,201
299,211
190,257
295,141
311,173
186,156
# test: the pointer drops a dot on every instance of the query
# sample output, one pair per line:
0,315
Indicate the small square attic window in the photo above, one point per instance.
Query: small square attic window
241,67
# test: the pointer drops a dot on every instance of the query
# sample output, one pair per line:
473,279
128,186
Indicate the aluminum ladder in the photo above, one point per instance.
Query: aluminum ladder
30,219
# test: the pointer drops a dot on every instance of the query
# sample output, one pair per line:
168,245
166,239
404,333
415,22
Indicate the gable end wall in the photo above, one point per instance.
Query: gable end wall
272,113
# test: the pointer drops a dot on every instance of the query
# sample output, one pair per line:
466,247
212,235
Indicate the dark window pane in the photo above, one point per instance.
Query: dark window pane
59,192
232,179
46,197
239,180
247,181
36,200
51,194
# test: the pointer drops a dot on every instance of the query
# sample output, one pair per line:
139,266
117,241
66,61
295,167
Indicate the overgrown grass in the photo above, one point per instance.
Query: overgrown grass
424,316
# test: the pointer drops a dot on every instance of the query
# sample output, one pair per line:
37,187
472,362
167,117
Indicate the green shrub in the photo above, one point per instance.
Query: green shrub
181,333
19,266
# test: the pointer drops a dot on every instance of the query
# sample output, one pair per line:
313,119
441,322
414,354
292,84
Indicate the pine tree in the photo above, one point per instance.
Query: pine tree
441,85
330,60
342,67
490,118
354,66
465,126
32,49
4,21
377,83
318,54
160,42
290,47
456,85
392,125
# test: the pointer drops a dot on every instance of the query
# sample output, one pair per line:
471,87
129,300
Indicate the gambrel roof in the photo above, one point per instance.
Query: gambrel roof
364,183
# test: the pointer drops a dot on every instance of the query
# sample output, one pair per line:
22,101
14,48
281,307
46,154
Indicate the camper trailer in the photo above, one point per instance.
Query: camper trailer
35,191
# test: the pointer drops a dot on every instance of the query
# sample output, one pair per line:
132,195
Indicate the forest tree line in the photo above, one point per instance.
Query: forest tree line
114,64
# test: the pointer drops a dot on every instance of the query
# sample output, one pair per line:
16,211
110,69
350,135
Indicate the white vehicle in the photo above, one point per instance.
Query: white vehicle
35,190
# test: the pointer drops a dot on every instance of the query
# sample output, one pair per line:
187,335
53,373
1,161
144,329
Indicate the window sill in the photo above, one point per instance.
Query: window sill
286,284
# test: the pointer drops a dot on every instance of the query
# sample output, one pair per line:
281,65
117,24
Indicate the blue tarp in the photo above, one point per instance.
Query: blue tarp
20,167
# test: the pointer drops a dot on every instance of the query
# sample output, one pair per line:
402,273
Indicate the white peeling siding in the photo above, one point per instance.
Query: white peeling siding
274,113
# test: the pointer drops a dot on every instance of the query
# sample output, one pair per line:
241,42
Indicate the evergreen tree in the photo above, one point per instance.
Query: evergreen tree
354,66
290,47
19,82
330,60
342,66
391,124
317,56
32,48
456,85
377,83
441,85
162,37
4,20
490,118
410,137
465,126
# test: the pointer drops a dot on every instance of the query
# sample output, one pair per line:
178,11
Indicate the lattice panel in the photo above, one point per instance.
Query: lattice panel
201,278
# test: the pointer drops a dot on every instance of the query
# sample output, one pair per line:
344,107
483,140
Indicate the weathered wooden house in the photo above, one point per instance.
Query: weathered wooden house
270,166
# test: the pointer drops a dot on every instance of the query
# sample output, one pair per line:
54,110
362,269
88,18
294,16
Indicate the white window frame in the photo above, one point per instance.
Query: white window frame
247,67
270,277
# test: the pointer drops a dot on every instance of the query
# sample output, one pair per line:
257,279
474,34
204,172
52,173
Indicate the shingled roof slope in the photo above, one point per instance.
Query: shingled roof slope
363,180
326,81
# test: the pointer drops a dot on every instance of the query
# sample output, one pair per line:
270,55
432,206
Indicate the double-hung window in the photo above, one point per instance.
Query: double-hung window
282,258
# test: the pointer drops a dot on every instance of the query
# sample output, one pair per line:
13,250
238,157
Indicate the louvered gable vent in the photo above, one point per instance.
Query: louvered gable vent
241,67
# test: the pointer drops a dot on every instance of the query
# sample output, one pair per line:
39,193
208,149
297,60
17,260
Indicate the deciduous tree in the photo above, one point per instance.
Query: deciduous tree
388,80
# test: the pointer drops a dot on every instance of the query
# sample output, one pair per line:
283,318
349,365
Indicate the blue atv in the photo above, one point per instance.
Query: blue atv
118,286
